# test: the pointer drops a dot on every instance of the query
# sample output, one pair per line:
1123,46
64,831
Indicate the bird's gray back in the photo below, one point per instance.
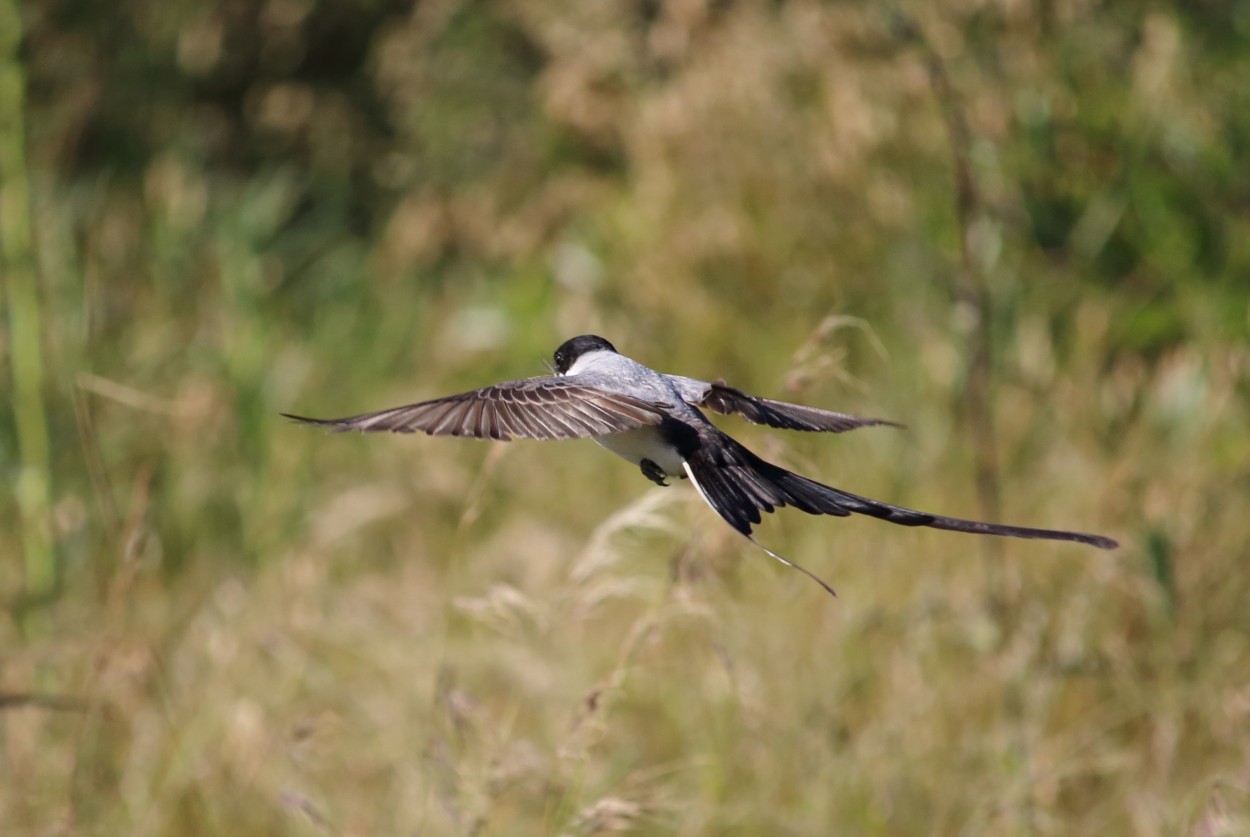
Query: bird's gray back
616,373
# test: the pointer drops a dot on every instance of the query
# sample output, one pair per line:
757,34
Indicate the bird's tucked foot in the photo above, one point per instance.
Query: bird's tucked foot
653,472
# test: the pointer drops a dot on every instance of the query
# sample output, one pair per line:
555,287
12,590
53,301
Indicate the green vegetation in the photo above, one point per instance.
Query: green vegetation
1022,230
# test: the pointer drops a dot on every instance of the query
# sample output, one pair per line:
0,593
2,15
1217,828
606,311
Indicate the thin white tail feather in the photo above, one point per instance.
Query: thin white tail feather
695,482
801,569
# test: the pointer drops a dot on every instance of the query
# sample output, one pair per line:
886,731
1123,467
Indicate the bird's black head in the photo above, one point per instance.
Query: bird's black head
571,350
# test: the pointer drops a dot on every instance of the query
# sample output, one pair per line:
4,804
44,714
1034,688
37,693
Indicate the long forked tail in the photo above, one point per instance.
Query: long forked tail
831,500
741,487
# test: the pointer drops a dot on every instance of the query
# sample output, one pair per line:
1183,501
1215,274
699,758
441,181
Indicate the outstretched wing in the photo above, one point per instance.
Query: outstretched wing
533,408
719,397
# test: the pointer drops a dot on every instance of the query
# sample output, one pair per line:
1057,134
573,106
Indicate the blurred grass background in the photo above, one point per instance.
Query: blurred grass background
1023,229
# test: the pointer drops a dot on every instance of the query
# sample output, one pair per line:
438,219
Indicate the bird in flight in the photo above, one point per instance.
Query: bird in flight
656,422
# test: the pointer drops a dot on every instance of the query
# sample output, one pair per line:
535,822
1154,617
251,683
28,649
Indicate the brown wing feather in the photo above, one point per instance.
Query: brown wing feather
724,399
534,408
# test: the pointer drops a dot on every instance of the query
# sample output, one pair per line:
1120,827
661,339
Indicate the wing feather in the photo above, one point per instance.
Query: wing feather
533,408
719,397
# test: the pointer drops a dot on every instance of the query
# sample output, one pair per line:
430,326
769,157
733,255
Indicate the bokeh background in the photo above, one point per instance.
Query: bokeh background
1021,228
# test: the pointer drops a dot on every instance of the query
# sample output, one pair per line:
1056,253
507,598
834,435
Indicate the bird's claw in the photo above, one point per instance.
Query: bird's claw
653,472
